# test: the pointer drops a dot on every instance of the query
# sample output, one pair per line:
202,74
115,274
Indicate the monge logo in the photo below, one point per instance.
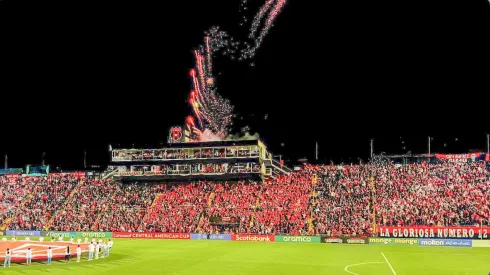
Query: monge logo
431,242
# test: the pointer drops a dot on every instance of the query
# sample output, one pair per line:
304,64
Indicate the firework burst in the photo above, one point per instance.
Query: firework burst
214,113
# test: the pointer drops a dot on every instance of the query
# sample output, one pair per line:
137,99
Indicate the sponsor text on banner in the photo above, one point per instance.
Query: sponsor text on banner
298,239
434,232
252,238
151,235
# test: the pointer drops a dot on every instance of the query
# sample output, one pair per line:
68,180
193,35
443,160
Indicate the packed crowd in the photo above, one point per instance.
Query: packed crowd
33,200
178,208
330,200
445,194
342,204
350,198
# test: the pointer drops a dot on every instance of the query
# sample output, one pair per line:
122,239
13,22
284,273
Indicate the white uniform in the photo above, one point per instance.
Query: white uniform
79,241
79,254
60,239
41,239
97,247
103,248
50,255
86,240
29,257
91,249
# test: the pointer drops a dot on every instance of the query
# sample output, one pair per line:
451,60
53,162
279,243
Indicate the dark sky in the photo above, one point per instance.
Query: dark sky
79,75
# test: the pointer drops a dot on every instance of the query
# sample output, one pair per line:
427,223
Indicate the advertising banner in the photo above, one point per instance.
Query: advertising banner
57,234
199,236
298,239
220,237
22,233
10,171
434,232
445,242
97,235
462,157
393,241
332,240
152,235
356,240
252,238
345,240
481,243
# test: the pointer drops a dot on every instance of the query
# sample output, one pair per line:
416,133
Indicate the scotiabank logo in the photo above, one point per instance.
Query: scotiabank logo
253,238
164,236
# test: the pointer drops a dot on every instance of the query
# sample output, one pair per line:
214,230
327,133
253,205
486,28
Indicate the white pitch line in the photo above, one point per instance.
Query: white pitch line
394,273
347,267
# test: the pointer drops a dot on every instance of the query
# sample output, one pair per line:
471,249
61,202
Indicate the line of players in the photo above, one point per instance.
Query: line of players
93,250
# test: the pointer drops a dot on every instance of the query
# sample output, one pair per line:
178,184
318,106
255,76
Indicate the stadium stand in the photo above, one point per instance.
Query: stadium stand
327,200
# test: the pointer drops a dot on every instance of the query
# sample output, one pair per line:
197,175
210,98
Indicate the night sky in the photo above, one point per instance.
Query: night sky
81,75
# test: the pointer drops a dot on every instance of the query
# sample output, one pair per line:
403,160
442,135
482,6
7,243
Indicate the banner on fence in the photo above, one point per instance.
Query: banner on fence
22,233
345,240
199,236
57,234
393,241
98,235
434,232
481,243
298,239
472,157
220,237
252,238
445,242
151,235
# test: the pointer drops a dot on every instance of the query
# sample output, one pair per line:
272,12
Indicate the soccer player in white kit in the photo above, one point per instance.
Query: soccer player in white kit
109,247
7,258
97,248
79,253
29,256
91,249
102,249
50,255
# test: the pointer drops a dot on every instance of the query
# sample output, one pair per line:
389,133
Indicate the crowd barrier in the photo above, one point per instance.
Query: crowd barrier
380,241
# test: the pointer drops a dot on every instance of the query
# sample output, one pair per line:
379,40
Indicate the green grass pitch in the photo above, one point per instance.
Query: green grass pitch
231,258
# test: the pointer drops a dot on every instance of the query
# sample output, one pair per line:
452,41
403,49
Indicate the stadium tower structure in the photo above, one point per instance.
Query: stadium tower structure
186,161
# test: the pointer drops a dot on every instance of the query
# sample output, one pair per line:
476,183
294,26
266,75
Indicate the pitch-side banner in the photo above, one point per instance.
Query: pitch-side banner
252,238
151,235
462,157
22,233
434,232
